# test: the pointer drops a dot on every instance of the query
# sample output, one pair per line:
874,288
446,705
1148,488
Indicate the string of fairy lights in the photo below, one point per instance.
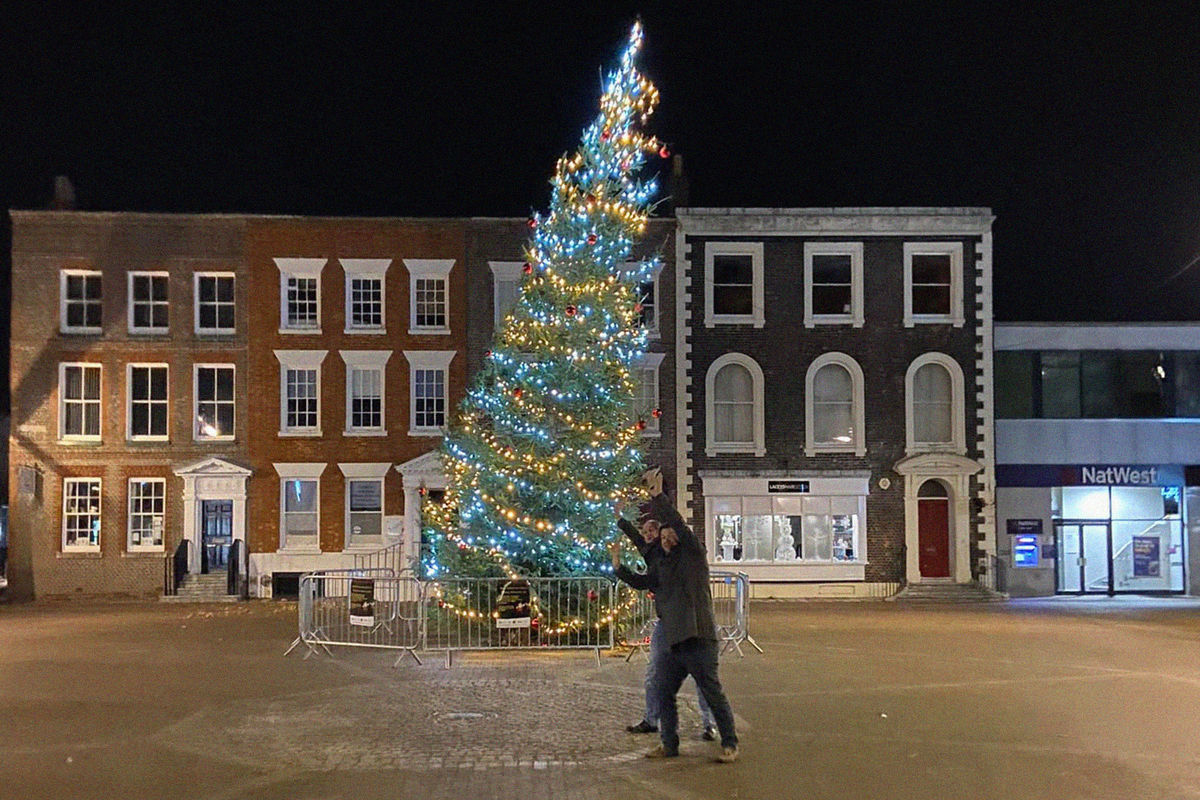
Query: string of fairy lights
546,440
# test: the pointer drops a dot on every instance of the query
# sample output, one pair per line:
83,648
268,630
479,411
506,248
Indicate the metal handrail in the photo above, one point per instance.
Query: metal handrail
175,568
233,569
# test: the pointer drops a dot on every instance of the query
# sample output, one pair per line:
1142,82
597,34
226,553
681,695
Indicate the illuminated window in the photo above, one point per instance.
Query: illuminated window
81,514
834,415
147,506
213,390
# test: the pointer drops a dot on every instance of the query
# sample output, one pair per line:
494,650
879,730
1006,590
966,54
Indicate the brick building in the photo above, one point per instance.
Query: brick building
117,319
835,370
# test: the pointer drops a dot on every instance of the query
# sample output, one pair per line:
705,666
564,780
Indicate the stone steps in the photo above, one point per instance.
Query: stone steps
947,593
209,588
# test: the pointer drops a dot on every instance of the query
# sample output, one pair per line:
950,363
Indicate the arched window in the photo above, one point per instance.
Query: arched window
734,391
935,412
834,416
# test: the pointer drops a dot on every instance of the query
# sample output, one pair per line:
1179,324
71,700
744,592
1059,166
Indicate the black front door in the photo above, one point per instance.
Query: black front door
216,534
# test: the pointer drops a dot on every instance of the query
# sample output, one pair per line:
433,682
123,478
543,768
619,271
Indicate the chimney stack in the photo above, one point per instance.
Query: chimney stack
64,194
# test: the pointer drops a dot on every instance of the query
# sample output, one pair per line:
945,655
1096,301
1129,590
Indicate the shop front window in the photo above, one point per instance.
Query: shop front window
786,529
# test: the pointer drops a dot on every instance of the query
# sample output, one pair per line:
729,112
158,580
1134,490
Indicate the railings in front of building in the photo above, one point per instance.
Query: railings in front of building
174,568
992,574
233,577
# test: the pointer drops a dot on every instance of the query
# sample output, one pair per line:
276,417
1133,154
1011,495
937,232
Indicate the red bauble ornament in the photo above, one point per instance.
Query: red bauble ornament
641,424
422,491
656,413
604,134
532,222
528,268
664,153
570,311
535,623
591,238
441,603
592,594
518,392
637,308
625,166
488,354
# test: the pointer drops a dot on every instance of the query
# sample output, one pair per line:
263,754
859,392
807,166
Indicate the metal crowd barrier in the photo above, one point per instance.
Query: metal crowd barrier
361,608
581,607
376,608
731,614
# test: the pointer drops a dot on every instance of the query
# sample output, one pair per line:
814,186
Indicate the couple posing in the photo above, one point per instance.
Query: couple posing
684,641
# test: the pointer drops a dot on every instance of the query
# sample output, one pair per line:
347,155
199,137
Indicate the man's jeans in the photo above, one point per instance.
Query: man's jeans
698,658
658,653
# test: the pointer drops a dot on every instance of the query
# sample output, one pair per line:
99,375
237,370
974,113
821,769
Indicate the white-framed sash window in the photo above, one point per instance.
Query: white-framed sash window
933,283
149,306
300,294
147,514
213,390
148,402
366,284
81,301
300,391
429,372
429,295
366,373
80,410
833,283
733,284
300,506
82,499
215,303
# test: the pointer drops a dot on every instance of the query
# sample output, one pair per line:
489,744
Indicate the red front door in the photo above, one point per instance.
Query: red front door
933,536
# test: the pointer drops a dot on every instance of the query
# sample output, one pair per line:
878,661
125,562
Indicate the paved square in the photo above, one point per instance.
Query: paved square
1045,699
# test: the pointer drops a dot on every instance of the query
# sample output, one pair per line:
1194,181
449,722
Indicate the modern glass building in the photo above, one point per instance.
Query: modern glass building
1097,447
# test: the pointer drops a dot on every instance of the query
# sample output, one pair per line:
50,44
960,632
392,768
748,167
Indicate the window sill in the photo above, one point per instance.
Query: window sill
365,331
429,331
80,442
847,450
222,332
148,440
149,331
918,319
81,331
84,554
923,449
300,434
364,433
363,546
728,450
300,550
214,440
739,320
813,322
153,554
300,331
426,432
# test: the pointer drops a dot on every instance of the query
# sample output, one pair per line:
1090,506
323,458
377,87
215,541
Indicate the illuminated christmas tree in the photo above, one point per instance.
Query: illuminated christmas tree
545,442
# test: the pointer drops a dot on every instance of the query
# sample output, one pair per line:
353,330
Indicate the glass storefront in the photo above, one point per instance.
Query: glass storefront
1118,538
786,529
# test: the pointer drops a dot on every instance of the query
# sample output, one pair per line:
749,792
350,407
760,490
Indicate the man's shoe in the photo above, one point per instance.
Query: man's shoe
710,734
642,727
728,755
662,752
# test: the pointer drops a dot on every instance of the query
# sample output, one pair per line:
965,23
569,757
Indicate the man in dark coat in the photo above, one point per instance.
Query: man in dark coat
679,580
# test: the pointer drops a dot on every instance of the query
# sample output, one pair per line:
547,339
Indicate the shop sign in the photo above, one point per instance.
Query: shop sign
1016,527
1089,475
1146,560
787,487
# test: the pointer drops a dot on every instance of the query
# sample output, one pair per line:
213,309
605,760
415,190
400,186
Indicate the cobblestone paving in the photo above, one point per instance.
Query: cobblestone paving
430,718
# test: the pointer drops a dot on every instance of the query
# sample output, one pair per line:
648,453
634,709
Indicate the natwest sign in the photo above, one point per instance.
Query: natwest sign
1119,476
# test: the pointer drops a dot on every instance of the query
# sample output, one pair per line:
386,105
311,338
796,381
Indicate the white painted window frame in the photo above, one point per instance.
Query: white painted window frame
63,436
196,437
855,251
712,447
725,248
427,360
427,269
149,330
857,413
366,360
503,272
298,360
66,548
652,361
955,251
296,471
143,548
368,269
63,327
958,412
129,434
299,268
364,472
199,331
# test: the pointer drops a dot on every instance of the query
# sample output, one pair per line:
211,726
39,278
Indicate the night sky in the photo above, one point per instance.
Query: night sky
1078,125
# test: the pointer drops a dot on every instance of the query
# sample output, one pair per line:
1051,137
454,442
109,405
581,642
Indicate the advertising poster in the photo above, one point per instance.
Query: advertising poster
512,606
1146,558
362,601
